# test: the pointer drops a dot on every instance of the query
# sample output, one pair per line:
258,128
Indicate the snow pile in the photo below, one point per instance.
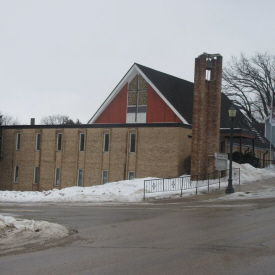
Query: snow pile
123,191
270,167
28,231
250,173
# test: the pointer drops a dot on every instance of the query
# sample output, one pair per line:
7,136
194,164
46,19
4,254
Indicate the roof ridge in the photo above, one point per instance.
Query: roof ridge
140,65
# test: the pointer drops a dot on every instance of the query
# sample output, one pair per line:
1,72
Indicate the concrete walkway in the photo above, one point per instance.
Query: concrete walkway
251,187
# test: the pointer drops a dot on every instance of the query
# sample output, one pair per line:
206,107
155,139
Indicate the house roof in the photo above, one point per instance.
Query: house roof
156,80
177,91
178,95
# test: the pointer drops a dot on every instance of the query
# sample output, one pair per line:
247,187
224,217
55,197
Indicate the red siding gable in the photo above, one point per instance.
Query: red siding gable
116,110
157,109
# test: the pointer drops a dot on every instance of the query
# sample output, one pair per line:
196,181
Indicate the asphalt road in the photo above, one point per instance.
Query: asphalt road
185,236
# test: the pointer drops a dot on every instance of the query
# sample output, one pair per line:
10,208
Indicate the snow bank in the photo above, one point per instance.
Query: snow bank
122,191
28,231
250,173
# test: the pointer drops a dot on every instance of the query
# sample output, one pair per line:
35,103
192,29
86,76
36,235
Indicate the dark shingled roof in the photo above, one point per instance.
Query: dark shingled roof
260,127
179,93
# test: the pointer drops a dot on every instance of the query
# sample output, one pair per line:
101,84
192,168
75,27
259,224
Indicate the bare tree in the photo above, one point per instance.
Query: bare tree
58,120
8,120
249,82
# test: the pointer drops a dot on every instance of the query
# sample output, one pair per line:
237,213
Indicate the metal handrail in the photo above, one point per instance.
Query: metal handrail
187,182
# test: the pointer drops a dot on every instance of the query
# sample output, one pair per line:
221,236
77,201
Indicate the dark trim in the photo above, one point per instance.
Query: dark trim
238,132
107,125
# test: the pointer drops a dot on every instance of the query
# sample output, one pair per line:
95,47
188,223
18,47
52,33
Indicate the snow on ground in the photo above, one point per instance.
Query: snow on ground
123,191
260,194
21,232
248,175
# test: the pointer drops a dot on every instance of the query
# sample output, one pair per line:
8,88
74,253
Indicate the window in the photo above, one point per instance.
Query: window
16,174
106,142
222,146
59,142
37,142
104,176
57,177
131,175
18,140
132,143
81,142
80,177
137,100
35,178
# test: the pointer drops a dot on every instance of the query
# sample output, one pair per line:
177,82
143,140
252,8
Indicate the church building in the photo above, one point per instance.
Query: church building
143,129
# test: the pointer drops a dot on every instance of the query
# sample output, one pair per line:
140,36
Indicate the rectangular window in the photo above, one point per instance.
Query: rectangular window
18,141
141,117
80,177
106,142
131,175
81,142
104,176
16,174
131,118
35,178
137,100
37,142
132,143
57,177
59,141
222,146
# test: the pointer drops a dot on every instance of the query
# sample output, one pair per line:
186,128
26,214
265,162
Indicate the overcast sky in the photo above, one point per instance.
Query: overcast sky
66,56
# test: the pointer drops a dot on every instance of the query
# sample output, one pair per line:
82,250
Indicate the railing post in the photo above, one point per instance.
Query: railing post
181,186
144,192
219,173
239,176
208,181
197,185
163,184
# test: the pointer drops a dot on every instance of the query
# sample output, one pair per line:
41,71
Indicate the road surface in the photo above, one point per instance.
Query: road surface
185,236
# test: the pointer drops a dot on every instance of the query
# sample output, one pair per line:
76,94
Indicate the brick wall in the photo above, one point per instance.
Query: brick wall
160,152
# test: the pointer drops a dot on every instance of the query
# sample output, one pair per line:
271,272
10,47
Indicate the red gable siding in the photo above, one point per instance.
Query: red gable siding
116,110
158,110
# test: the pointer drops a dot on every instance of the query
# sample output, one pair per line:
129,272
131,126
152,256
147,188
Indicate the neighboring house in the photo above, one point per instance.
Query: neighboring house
143,128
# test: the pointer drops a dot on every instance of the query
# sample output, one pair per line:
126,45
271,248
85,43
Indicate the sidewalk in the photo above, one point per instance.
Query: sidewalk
255,188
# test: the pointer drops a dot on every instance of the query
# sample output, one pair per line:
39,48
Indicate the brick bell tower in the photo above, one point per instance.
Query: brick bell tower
206,112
